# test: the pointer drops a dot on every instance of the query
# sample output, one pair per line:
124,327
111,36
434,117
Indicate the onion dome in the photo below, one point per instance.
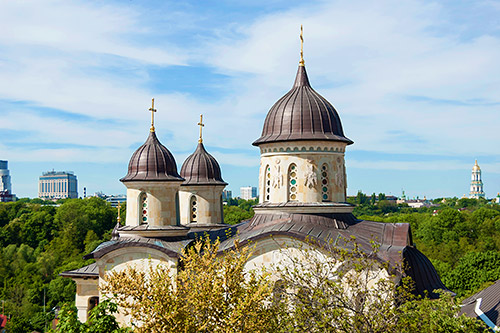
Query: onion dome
201,168
152,162
302,114
476,167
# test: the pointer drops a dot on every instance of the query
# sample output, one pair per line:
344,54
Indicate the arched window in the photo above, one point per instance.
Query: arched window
193,205
177,213
143,208
267,183
292,182
93,301
324,183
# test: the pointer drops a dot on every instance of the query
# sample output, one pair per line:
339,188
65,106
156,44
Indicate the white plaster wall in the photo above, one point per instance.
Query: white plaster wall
300,153
208,198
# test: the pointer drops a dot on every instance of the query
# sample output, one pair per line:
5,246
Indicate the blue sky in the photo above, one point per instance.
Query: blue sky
416,84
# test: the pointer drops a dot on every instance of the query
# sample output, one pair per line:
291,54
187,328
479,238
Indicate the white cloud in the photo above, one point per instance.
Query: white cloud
367,58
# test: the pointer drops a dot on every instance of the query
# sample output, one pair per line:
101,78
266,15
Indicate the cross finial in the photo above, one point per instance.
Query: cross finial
152,110
200,140
301,62
118,218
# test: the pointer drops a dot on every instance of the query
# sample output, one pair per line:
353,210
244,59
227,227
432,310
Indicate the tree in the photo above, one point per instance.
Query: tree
344,289
210,293
101,320
323,288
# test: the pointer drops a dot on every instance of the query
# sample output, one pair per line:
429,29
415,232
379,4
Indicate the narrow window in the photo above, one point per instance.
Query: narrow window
177,214
292,183
93,302
267,183
143,203
194,209
324,183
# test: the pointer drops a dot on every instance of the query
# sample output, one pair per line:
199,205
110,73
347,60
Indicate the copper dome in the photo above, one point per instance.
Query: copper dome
201,168
302,114
152,161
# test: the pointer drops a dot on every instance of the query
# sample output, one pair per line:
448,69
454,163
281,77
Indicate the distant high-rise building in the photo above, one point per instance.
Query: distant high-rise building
5,185
476,184
116,200
248,192
58,185
227,195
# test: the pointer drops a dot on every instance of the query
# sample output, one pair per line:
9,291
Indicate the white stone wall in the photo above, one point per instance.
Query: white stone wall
309,157
162,207
208,204
85,289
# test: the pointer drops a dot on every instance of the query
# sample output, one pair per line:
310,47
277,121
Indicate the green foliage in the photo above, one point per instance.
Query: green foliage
462,238
101,320
238,210
472,271
38,241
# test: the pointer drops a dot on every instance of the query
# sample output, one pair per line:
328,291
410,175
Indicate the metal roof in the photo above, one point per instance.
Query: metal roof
484,305
302,114
201,168
90,271
152,161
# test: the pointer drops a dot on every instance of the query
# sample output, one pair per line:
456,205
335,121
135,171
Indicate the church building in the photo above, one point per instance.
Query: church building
302,186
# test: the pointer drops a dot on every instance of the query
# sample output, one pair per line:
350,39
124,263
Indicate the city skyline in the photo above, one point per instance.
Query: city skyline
414,82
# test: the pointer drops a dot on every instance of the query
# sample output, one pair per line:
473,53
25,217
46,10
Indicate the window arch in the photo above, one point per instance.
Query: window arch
92,303
143,208
267,183
292,182
177,208
325,183
193,209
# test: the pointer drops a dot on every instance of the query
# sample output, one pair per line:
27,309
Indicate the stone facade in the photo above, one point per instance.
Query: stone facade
302,172
201,204
153,202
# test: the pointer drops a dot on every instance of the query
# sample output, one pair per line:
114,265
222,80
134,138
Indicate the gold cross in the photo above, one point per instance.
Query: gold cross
301,62
200,140
153,110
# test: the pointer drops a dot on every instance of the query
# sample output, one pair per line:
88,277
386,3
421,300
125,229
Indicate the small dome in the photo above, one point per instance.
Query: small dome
201,168
302,114
152,161
476,167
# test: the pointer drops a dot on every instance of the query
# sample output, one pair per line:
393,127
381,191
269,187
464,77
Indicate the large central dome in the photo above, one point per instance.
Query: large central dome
302,114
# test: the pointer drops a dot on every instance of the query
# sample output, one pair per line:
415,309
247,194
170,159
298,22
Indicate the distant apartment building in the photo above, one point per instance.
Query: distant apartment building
116,200
227,195
5,185
58,185
248,192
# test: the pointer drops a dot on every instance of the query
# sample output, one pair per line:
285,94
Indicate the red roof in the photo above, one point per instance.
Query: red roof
3,320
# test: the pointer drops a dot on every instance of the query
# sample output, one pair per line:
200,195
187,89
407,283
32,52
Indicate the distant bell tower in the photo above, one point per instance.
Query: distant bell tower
476,184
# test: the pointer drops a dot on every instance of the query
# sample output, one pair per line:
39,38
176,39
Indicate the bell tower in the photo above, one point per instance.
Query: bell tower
476,184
